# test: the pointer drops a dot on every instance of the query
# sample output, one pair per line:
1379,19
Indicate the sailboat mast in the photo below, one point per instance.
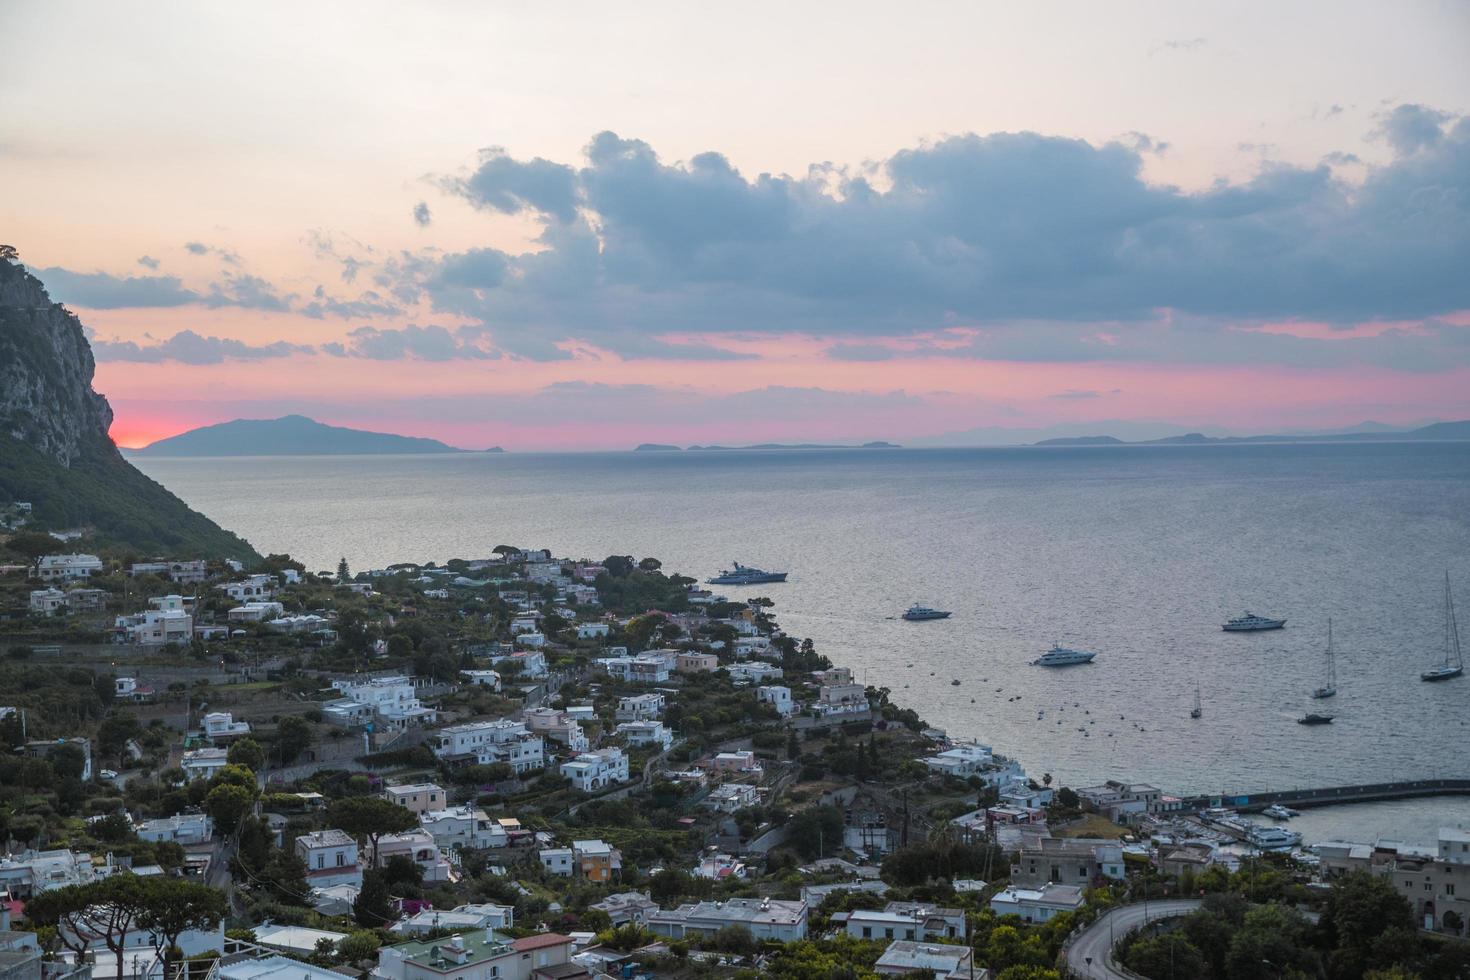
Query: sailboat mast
1452,625
1331,662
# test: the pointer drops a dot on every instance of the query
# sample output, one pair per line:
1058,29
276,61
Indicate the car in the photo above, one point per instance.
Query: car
108,774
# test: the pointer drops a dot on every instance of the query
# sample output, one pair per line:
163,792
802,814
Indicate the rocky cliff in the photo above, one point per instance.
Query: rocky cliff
54,448
46,368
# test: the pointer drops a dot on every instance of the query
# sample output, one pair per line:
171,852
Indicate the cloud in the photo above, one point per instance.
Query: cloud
368,304
1183,44
188,347
247,291
196,248
1411,128
148,262
969,231
502,184
102,291
431,343
1083,394
421,215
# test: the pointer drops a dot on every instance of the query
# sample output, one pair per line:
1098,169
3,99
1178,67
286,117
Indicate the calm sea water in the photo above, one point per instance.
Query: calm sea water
1136,553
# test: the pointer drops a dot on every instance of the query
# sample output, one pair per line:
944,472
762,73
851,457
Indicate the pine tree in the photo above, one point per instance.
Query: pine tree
343,574
374,905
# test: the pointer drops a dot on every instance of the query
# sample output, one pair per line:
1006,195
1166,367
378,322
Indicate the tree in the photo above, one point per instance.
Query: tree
68,760
285,876
253,848
1360,907
650,564
109,909
816,830
371,817
343,573
402,872
373,907
34,546
359,946
228,804
234,774
293,736
1170,956
114,734
248,753
173,906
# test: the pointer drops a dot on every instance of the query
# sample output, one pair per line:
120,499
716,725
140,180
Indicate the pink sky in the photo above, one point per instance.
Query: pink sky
982,218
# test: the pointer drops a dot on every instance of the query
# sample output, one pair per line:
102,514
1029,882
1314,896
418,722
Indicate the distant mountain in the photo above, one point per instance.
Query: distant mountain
290,435
803,445
1083,441
1376,433
656,447
55,452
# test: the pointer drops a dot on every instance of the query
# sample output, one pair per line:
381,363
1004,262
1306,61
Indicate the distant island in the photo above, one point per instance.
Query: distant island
654,447
1439,431
290,435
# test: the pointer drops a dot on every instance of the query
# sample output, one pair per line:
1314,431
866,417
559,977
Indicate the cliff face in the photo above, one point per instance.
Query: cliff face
46,369
54,448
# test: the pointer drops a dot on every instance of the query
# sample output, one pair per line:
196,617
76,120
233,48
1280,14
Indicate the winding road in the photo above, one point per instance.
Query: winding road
1090,953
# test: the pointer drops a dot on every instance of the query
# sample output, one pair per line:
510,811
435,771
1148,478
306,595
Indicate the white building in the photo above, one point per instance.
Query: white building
764,918
558,861
754,672
640,707
222,726
253,587
730,797
907,920
169,621
394,700
642,669
777,697
331,858
640,733
529,664
463,826
592,631
627,907
557,726
256,611
482,678
487,742
1037,904
48,602
59,567
183,828
203,763
592,771
419,847
941,961
465,917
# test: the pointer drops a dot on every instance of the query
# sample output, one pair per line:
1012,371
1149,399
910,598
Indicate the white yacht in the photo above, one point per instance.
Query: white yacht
1453,663
1251,622
1278,812
1329,689
1059,656
917,613
1271,838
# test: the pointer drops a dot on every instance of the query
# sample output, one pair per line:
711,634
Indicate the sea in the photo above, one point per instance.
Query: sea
1138,553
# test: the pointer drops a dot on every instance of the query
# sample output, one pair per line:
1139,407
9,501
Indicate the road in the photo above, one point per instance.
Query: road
1096,941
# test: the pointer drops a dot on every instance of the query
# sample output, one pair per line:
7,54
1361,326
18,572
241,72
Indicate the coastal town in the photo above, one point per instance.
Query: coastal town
533,767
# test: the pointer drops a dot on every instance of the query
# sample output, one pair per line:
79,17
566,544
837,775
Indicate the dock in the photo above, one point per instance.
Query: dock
1302,799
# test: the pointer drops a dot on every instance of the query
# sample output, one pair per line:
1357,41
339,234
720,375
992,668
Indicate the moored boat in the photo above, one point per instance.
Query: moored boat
746,575
1059,656
917,613
1250,623
1453,663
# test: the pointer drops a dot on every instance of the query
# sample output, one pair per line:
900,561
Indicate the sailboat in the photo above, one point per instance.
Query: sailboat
1453,664
1329,689
1197,710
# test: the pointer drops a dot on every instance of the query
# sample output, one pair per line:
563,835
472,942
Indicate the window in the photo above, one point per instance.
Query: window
321,860
1449,889
867,932
341,859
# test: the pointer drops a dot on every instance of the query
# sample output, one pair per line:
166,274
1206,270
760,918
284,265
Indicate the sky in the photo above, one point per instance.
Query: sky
589,225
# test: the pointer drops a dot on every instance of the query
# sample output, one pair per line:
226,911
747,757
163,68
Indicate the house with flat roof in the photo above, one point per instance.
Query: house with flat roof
53,568
487,742
479,955
203,763
463,826
1067,861
764,918
331,858
595,770
640,707
907,920
940,961
461,917
646,733
221,726
419,847
417,797
696,663
1037,904
182,828
625,907
778,697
